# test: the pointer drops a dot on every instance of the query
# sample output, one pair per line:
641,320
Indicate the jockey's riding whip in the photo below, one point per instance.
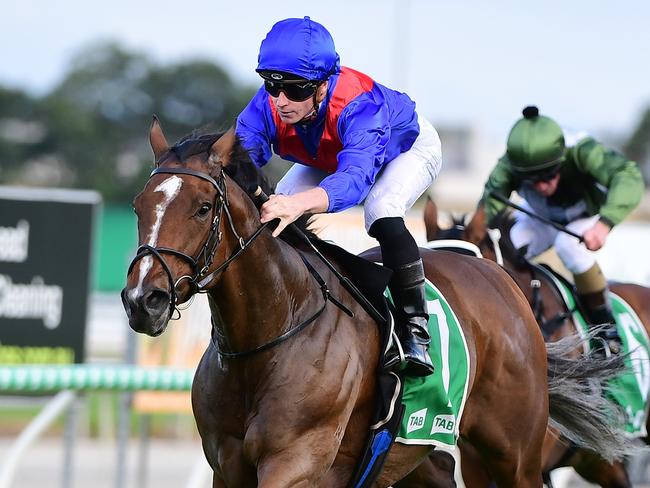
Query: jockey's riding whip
555,225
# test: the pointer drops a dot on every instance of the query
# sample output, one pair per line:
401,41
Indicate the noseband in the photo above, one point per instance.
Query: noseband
199,278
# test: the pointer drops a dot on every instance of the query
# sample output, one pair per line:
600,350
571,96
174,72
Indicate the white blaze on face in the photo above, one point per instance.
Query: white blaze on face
170,189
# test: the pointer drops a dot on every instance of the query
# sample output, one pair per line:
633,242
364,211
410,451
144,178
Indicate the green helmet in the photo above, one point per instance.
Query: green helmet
535,144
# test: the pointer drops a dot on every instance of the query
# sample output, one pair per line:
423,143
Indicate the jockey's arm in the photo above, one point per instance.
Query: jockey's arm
620,176
364,129
500,181
624,184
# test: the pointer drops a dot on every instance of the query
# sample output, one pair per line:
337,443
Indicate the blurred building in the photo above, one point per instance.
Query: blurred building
468,156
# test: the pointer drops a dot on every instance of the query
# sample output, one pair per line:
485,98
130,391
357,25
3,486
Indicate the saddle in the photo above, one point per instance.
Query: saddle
553,279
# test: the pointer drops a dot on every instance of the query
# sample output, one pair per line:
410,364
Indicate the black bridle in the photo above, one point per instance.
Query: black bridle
205,256
200,278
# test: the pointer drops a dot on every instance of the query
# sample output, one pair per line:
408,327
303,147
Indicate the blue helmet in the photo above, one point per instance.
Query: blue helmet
299,47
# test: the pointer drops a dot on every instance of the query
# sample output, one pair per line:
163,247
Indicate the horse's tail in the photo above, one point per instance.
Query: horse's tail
578,406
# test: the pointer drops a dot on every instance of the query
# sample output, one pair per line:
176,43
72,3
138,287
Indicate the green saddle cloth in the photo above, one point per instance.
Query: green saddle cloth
630,389
434,404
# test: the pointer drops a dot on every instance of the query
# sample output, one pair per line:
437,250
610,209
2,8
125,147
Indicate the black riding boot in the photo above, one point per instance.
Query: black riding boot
407,290
599,312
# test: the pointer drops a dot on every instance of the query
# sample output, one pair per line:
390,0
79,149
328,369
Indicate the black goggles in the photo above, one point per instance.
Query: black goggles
296,91
544,176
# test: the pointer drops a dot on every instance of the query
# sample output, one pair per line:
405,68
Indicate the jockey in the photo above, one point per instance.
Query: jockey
575,181
354,141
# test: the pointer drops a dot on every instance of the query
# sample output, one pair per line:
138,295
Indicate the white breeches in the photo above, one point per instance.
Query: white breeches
539,237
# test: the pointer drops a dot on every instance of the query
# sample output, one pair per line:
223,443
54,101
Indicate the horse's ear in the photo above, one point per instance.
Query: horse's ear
222,148
476,230
157,139
431,219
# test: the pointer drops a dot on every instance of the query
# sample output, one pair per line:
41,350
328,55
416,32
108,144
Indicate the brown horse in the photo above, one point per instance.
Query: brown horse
283,395
556,319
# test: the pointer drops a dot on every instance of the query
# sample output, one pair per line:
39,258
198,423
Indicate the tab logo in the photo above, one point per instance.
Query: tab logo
443,424
416,420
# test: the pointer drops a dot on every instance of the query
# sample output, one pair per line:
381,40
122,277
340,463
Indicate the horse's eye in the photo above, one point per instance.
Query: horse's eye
204,210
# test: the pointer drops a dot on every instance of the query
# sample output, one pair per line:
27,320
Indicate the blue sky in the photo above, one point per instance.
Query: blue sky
584,63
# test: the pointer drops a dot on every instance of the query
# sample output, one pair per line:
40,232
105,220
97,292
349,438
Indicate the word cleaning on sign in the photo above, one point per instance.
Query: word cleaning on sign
34,300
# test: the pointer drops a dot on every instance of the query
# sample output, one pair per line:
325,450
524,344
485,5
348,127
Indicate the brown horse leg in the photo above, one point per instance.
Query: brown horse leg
303,466
471,466
217,482
523,474
401,460
595,470
506,421
436,471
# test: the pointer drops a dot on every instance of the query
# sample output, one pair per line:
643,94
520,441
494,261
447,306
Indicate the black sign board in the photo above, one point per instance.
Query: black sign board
46,240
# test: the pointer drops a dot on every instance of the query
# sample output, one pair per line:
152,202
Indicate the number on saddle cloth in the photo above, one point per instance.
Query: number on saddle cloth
434,404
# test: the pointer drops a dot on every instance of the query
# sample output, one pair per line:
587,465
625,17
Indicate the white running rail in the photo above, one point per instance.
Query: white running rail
59,403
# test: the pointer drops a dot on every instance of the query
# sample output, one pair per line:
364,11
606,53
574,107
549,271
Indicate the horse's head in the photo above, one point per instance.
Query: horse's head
475,231
185,226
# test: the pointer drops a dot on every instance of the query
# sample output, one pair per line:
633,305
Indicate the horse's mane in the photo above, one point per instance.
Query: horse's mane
240,168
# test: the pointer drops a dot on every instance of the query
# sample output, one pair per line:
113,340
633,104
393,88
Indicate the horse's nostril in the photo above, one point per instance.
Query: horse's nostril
126,302
156,300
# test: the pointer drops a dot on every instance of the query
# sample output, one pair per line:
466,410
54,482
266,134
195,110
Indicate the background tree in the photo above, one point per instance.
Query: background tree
91,130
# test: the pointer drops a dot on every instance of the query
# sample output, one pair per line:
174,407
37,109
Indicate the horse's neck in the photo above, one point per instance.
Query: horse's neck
261,293
522,275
